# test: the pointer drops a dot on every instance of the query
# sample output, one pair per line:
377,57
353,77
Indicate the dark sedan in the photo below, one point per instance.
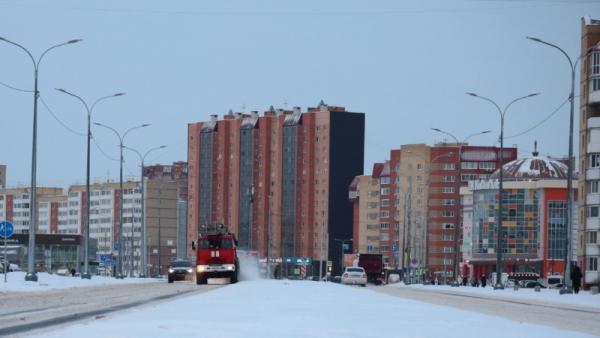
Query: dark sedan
181,270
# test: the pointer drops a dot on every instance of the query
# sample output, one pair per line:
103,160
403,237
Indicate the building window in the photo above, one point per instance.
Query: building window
594,160
384,180
468,165
593,211
385,191
385,203
595,64
487,165
469,177
383,214
447,213
593,187
448,202
557,215
448,166
448,190
447,226
385,237
592,264
447,178
592,237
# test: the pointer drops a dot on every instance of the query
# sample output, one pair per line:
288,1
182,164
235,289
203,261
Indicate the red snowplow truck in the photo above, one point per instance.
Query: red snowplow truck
216,254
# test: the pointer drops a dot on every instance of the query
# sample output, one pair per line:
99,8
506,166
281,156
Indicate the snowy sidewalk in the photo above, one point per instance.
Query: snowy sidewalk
16,282
302,309
583,298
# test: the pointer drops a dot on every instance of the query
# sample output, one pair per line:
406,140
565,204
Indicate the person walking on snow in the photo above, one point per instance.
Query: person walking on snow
483,281
576,277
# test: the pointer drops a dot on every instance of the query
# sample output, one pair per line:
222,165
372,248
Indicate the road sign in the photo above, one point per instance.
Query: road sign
117,246
329,263
6,229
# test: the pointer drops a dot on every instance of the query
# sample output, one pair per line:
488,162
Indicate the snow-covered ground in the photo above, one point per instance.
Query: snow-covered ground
301,309
15,281
583,298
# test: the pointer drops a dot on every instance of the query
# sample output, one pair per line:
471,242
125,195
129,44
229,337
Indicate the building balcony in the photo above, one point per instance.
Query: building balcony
592,199
592,174
592,249
592,277
594,96
592,223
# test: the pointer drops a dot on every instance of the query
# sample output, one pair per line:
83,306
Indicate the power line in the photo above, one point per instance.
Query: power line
102,151
15,88
58,120
539,123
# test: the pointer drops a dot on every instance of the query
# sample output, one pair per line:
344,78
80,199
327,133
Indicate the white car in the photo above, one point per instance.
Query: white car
354,275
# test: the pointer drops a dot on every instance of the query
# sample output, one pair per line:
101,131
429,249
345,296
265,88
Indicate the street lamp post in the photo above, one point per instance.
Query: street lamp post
86,272
121,139
567,287
342,243
458,184
143,251
502,112
31,275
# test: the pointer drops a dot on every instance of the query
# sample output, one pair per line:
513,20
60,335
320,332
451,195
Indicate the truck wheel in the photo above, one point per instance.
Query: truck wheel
170,280
200,280
234,277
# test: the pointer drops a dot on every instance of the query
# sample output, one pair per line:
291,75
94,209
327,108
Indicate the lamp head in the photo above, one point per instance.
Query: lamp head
436,129
119,94
486,132
61,90
163,146
146,125
534,39
74,41
471,94
533,94
98,124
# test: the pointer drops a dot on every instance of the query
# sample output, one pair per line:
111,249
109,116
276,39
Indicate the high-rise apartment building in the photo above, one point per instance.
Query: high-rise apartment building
177,172
279,180
408,209
589,152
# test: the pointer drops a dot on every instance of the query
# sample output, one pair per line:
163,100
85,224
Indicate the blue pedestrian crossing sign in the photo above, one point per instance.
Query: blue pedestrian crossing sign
6,229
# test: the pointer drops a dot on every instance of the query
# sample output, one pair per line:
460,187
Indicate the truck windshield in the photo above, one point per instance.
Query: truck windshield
215,243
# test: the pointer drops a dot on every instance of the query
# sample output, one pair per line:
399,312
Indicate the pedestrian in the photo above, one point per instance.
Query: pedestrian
576,277
483,281
73,272
464,281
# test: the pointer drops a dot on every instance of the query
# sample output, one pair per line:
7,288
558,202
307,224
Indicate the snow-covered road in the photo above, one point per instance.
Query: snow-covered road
302,309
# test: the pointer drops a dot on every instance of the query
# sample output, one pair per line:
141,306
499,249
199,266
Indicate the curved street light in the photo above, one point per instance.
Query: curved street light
86,272
144,254
458,184
121,139
502,112
31,275
567,287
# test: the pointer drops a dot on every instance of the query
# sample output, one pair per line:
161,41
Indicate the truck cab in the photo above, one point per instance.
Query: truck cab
216,255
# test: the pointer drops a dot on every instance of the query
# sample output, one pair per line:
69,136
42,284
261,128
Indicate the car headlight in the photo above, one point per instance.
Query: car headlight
230,267
190,270
200,268
171,270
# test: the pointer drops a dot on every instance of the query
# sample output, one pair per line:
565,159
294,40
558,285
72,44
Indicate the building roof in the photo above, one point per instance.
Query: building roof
533,168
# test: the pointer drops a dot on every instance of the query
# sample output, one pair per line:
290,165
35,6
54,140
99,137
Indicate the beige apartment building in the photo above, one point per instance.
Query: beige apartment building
589,153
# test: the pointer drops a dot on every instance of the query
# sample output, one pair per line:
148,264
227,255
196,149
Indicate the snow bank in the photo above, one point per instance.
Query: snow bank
583,298
16,282
283,309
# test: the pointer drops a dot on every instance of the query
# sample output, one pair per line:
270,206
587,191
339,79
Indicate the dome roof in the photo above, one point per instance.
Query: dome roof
535,168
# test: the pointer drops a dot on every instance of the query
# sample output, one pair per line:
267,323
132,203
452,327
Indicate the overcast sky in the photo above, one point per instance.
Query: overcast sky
406,64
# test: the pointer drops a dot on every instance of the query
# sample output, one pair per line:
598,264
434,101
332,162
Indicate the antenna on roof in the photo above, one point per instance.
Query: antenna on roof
535,151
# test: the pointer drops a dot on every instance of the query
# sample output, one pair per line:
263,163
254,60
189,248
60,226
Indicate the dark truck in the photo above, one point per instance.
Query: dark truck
373,265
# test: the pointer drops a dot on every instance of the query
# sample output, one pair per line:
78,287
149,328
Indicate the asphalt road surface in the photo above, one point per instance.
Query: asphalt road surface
34,312
561,316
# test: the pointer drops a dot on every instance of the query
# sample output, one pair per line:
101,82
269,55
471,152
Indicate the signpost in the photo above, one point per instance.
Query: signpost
6,230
